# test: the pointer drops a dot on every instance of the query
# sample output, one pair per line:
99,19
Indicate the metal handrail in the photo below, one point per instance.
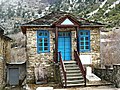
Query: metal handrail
63,68
79,63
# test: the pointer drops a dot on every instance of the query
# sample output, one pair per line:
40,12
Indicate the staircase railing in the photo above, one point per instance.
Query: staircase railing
79,63
63,68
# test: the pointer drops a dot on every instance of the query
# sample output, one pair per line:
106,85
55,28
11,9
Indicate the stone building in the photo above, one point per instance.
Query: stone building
65,33
5,45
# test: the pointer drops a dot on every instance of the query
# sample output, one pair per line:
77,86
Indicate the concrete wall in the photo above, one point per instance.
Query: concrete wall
46,58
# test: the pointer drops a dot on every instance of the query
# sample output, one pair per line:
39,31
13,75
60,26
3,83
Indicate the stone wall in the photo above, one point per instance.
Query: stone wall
109,74
74,43
1,61
116,75
94,46
1,71
47,58
34,58
22,71
4,57
104,74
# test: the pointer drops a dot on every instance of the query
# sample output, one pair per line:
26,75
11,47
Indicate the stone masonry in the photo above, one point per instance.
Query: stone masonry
1,61
46,59
34,58
4,57
94,46
109,74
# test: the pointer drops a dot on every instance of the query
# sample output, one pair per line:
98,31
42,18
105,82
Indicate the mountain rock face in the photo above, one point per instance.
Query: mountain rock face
104,11
15,12
77,6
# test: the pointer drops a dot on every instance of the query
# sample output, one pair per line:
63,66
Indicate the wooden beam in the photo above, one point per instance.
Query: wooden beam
66,26
77,36
71,18
56,44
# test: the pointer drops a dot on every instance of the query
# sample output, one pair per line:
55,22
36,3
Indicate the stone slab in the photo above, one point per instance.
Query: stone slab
44,88
93,77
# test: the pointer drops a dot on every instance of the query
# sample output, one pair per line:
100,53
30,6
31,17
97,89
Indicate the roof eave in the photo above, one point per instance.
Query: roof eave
92,25
7,38
23,27
35,25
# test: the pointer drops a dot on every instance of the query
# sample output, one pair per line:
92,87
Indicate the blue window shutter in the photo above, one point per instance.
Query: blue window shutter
43,41
84,40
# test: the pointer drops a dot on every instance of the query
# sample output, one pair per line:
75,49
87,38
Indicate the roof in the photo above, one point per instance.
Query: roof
47,20
7,38
2,33
1,30
52,18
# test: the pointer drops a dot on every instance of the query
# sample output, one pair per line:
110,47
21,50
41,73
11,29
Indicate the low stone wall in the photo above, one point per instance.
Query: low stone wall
109,74
104,74
1,72
116,75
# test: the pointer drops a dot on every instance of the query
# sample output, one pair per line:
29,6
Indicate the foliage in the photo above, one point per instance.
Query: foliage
111,18
23,12
84,7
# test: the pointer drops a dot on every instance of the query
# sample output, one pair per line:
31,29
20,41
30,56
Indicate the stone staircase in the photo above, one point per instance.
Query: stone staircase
73,74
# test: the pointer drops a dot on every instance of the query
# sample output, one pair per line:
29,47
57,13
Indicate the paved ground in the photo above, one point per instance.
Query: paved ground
13,88
75,88
92,88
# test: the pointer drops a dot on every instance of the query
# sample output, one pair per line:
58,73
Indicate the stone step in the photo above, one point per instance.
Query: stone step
44,88
74,81
70,85
73,74
69,62
73,77
73,71
72,68
71,65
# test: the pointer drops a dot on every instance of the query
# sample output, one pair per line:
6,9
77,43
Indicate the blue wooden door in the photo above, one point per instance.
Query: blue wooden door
64,45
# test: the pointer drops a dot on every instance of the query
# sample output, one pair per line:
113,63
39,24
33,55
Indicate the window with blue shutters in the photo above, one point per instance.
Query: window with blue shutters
43,44
84,40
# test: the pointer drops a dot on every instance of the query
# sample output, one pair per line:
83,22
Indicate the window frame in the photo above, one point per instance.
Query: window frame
84,37
43,37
